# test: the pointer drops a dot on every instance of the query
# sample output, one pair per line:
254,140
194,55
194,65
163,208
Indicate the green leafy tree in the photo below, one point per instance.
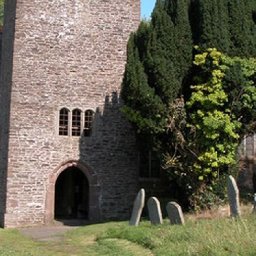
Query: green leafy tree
196,129
216,127
217,116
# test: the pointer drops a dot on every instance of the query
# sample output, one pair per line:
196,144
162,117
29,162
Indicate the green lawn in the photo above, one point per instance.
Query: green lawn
198,237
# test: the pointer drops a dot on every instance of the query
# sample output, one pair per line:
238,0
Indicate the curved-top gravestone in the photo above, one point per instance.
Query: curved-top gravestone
175,213
154,211
138,205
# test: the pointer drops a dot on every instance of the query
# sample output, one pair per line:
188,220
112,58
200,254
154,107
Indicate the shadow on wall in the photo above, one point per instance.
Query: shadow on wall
6,72
109,149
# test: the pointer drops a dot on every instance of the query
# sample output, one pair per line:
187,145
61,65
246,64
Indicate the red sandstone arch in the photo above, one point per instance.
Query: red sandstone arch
94,190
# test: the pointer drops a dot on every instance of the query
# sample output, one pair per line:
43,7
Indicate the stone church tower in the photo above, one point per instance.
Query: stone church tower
66,151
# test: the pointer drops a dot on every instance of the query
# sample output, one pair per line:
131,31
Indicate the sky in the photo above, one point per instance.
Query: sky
147,7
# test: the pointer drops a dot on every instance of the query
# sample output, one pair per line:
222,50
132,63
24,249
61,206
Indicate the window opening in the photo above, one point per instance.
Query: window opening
71,195
76,122
88,119
149,164
63,122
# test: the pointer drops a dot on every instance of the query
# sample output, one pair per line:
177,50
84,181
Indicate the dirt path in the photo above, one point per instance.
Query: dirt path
46,233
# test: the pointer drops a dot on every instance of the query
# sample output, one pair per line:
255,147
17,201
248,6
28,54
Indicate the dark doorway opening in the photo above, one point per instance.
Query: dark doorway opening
71,195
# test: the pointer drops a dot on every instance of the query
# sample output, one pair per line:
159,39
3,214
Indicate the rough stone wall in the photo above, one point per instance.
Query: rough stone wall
5,94
247,164
65,54
1,178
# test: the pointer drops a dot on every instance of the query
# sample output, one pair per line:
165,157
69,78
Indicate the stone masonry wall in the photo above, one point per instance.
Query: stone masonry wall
247,164
65,54
5,94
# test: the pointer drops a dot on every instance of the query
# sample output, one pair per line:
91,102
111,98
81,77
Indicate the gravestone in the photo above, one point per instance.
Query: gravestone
138,205
233,197
154,211
254,203
175,213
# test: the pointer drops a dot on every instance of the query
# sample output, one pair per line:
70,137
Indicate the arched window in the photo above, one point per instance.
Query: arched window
88,119
76,122
63,122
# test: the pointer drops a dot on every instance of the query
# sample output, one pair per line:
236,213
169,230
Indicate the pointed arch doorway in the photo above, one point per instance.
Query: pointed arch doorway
83,181
71,195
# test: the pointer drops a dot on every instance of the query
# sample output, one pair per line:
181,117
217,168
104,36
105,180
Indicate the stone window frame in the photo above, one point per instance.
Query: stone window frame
147,164
81,124
76,122
88,122
64,121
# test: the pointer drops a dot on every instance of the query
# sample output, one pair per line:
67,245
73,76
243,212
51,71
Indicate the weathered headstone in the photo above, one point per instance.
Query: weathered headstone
138,205
175,213
154,211
233,197
254,203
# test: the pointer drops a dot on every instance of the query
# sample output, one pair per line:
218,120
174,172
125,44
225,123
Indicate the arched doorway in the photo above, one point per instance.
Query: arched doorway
71,195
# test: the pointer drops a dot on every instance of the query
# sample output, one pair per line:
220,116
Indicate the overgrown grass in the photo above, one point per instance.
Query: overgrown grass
12,244
198,237
204,237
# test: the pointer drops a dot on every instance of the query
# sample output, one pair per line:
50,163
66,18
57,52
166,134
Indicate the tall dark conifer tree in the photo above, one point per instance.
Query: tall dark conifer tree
160,54
212,26
227,25
163,51
183,42
242,27
143,106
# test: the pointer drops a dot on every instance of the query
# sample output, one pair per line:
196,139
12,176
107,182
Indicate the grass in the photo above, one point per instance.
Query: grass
220,236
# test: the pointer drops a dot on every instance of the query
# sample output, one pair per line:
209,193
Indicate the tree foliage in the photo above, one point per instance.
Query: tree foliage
242,27
143,106
228,25
162,49
212,25
217,115
194,115
215,126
